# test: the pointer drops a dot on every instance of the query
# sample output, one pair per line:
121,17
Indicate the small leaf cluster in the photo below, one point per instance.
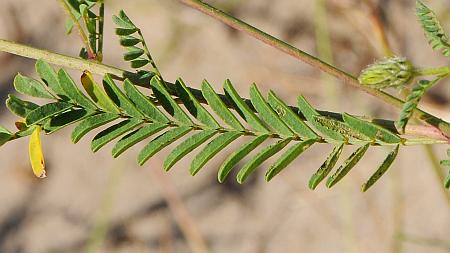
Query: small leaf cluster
436,35
137,53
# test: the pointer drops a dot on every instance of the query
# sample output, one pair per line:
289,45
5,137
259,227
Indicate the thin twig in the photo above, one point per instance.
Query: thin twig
311,60
83,35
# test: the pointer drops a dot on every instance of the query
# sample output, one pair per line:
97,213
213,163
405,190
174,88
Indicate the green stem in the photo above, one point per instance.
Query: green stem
433,71
120,74
347,78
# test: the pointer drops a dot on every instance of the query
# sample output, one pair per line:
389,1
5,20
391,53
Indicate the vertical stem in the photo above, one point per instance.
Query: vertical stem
81,32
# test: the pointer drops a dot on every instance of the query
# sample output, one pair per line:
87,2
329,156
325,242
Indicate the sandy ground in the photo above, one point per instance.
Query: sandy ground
94,203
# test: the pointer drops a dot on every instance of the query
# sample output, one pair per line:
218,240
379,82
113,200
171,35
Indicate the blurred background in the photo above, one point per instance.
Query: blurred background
94,203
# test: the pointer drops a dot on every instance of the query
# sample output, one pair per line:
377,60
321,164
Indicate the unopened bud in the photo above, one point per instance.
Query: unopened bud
390,72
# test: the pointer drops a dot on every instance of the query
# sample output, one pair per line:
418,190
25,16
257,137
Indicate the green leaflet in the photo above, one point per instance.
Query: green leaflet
29,86
187,146
113,132
49,76
129,41
161,142
432,28
144,104
119,98
243,109
262,156
211,149
46,111
371,130
290,118
20,107
136,136
5,135
267,113
133,53
382,169
219,107
72,91
91,123
139,63
288,157
193,106
326,167
349,163
445,163
340,127
166,100
238,155
97,94
310,113
65,119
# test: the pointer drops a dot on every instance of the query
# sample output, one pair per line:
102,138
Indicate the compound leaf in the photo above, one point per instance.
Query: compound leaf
436,35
